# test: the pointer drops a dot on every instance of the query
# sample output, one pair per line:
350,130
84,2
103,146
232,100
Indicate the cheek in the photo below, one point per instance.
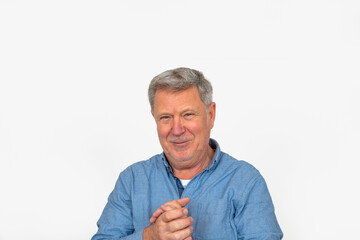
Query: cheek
196,128
162,131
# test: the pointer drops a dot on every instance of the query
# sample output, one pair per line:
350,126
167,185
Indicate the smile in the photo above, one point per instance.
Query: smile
180,144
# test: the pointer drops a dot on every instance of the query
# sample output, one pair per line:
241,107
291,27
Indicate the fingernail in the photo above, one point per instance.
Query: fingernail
185,211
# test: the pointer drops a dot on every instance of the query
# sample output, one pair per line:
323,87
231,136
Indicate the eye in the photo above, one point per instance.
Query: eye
164,118
189,115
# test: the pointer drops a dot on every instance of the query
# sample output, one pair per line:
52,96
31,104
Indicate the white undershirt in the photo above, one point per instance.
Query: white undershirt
184,182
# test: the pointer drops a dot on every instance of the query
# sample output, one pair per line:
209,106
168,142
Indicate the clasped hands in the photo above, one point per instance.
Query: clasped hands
170,222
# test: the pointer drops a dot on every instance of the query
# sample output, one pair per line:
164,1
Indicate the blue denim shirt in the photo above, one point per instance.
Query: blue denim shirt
229,200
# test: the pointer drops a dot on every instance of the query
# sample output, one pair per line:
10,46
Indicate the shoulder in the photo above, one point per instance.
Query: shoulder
137,175
153,161
238,167
248,181
227,164
239,173
143,168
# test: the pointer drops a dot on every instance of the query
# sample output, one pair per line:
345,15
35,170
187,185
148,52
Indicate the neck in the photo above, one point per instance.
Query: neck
189,172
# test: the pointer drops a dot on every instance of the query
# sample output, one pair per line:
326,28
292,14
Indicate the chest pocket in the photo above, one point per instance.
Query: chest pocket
213,221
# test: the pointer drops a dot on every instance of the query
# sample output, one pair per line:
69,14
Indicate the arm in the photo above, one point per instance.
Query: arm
116,220
254,215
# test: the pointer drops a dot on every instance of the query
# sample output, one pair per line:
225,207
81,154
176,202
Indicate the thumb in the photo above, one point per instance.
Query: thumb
183,201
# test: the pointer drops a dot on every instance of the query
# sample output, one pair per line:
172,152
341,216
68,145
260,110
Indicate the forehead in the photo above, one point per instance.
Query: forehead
169,99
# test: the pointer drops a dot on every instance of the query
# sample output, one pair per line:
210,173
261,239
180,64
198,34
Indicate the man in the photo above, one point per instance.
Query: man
192,190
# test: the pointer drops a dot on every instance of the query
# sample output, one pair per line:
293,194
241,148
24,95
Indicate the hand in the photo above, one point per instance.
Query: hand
170,222
174,204
171,225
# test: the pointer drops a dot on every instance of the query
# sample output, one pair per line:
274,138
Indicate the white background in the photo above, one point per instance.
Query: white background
74,111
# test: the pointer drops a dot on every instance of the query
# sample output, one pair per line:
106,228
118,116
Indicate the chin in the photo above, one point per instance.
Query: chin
182,158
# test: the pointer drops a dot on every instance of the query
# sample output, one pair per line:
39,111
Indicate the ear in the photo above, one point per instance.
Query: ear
152,113
212,114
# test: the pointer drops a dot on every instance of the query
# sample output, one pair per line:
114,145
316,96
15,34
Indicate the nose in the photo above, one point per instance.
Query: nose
177,127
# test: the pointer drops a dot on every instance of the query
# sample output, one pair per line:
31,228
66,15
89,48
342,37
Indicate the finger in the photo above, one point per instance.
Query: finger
173,204
183,201
153,219
173,214
179,203
160,211
179,224
168,207
184,233
156,214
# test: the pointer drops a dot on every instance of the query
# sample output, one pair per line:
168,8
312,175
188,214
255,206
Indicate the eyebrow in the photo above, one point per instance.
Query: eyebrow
189,109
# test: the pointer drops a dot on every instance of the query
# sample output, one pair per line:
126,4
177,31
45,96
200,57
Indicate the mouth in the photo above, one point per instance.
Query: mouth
180,143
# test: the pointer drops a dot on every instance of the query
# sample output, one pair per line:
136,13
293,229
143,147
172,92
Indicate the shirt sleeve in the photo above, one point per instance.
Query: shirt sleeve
115,222
254,215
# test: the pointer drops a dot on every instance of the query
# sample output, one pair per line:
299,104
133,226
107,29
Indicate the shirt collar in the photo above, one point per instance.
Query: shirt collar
214,162
217,155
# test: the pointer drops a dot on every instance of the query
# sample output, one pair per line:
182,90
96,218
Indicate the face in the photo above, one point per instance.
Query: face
183,126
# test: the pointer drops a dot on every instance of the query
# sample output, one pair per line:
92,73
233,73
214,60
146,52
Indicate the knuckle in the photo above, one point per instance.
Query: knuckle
174,203
167,216
177,236
167,207
177,225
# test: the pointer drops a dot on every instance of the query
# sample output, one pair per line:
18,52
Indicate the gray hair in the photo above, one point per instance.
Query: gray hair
180,79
